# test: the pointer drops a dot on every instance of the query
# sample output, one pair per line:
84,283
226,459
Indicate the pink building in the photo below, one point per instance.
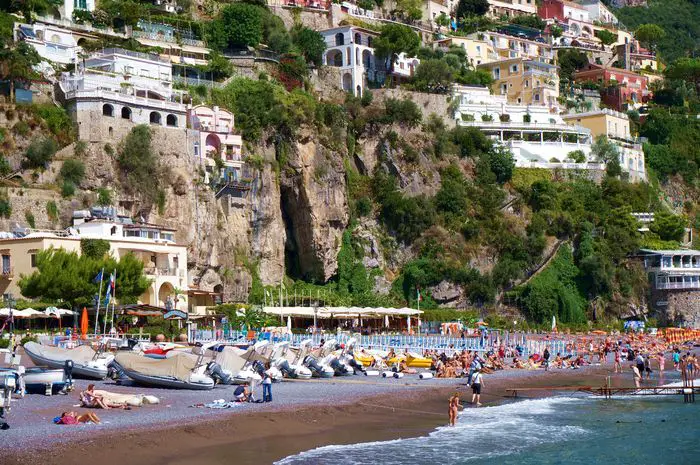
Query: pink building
217,138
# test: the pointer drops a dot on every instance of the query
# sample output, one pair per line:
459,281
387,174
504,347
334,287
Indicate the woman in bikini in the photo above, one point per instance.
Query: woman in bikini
453,408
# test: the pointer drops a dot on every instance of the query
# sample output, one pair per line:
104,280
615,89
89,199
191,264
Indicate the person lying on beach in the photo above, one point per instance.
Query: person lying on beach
517,363
403,368
72,418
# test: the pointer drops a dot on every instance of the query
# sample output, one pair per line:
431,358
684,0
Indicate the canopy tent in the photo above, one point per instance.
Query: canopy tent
342,312
57,312
28,313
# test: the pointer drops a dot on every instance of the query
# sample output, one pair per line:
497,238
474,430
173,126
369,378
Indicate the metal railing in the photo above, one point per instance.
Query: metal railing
130,53
196,82
683,285
400,342
168,39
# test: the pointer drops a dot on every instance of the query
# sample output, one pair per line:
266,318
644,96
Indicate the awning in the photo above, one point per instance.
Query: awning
142,310
342,312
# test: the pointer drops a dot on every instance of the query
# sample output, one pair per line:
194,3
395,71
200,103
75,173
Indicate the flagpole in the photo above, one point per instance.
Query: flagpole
114,295
99,298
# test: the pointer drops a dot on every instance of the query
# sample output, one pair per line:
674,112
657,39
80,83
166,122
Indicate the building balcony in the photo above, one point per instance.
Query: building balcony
527,127
100,94
7,272
163,271
677,285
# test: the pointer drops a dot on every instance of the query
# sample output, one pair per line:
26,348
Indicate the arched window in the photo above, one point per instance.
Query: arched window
126,113
171,120
154,117
339,39
107,110
358,38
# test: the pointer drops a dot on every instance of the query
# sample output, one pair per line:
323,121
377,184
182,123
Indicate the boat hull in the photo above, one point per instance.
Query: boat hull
168,382
79,370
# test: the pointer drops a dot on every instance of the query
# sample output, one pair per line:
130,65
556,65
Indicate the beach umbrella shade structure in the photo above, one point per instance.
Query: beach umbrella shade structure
84,323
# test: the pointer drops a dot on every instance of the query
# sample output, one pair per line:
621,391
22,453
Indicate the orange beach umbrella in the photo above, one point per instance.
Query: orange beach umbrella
84,323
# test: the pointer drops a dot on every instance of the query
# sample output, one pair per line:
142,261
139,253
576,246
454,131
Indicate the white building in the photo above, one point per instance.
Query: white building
128,86
512,8
597,11
536,137
350,49
69,6
51,42
165,262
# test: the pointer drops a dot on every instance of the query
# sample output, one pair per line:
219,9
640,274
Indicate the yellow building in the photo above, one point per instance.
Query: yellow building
478,50
525,82
165,263
616,126
606,122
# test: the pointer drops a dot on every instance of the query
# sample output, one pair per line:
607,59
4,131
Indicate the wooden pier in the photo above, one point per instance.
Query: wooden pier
688,390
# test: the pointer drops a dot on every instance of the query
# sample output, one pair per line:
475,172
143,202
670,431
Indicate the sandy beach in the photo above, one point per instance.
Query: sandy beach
304,415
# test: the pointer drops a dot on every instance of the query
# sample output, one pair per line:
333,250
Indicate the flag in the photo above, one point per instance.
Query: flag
418,296
98,278
110,289
554,322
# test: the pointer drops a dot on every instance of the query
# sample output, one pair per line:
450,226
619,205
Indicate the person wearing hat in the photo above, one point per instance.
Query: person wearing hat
477,383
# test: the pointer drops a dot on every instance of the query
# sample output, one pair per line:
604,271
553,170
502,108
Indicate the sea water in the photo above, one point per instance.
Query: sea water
573,429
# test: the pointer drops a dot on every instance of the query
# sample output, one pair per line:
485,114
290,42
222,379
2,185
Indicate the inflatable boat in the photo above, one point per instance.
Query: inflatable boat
86,362
414,360
181,371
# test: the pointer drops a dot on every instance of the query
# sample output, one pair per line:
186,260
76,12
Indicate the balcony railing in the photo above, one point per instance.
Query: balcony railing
168,39
683,285
7,272
161,271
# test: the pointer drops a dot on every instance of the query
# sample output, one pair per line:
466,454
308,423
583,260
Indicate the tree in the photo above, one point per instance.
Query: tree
411,10
604,150
578,156
73,170
685,69
40,152
556,31
570,61
606,36
501,163
467,8
433,76
394,40
94,248
139,163
649,35
243,24
669,227
63,275
17,65
219,66
310,44
532,21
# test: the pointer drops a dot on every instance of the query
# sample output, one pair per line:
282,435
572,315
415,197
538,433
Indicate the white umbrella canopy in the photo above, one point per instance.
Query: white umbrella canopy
29,313
57,312
5,311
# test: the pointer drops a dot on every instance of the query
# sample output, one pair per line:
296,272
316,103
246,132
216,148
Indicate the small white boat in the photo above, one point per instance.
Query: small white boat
86,362
181,371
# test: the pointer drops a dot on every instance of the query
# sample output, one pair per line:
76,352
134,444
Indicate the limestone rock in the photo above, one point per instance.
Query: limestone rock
448,295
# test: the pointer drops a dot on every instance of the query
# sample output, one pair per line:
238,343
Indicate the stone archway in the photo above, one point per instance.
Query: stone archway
347,82
166,290
334,58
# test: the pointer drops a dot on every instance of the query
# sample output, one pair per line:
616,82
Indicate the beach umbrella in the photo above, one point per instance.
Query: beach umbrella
84,323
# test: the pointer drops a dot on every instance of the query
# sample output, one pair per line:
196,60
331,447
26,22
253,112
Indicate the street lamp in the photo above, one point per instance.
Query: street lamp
11,303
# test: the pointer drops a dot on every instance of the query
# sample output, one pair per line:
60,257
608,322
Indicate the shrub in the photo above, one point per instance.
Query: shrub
363,206
486,118
57,120
109,150
367,98
403,112
467,117
5,206
94,248
5,167
21,128
504,118
577,156
104,196
67,189
139,164
40,152
29,216
52,210
80,148
73,170
527,118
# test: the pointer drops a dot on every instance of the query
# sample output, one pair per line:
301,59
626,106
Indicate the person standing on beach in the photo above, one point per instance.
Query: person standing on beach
454,408
647,366
267,388
618,361
477,383
545,357
676,359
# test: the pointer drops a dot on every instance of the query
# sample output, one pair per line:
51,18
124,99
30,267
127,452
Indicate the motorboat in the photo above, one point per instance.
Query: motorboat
414,360
289,361
314,361
331,356
41,380
8,384
253,358
347,356
87,363
181,371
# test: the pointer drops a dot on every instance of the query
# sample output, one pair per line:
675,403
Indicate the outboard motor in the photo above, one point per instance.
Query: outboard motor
115,372
311,363
355,364
131,343
338,367
259,368
68,375
214,370
284,367
7,385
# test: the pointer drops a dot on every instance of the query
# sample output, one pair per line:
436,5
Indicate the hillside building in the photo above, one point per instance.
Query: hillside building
350,49
525,82
511,8
621,89
115,89
675,284
536,137
217,139
616,127
165,262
